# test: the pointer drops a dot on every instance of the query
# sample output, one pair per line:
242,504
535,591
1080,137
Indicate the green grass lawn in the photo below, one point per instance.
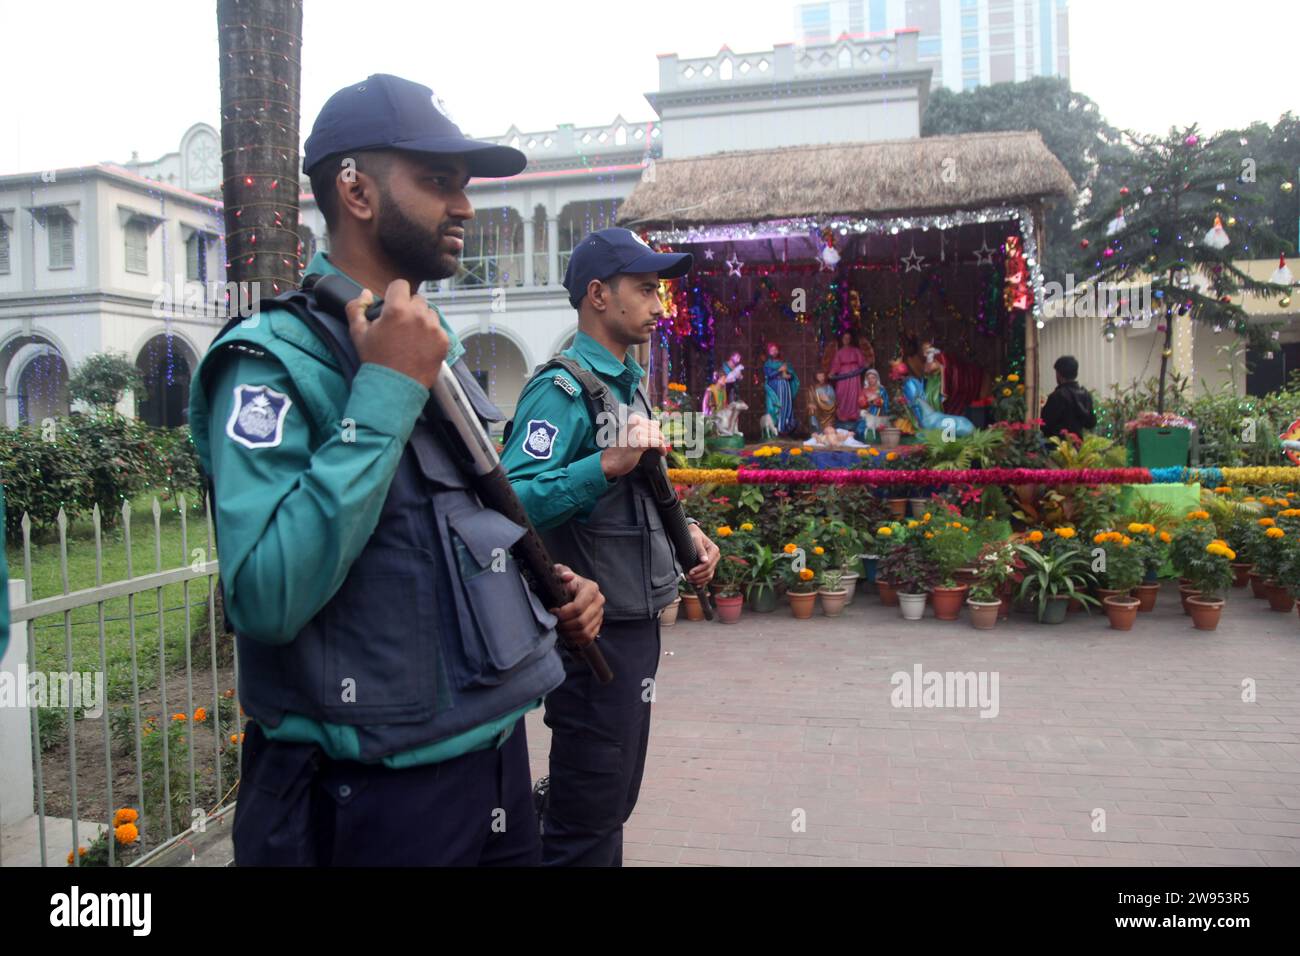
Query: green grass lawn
51,641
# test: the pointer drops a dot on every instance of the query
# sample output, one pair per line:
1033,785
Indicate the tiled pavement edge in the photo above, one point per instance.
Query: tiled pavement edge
755,721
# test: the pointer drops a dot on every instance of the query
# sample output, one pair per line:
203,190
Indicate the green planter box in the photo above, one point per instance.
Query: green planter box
1161,447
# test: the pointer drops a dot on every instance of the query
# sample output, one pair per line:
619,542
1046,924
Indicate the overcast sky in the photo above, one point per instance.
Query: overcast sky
87,81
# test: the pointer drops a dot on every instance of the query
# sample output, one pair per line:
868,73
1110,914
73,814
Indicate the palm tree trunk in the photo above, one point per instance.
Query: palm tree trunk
261,54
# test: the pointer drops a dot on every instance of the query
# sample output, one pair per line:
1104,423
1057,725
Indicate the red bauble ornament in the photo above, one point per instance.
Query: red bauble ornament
1084,243
1123,190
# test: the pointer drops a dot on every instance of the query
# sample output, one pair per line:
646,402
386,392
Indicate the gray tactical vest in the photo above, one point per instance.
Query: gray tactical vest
434,630
622,544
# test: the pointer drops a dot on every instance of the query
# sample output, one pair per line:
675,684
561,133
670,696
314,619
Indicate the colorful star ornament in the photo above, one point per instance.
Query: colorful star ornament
733,265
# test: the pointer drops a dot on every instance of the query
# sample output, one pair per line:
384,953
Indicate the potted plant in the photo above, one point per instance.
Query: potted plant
1271,565
1120,567
887,537
668,616
833,593
1210,572
1051,581
801,572
1238,540
730,573
690,601
843,543
997,568
911,574
760,580
944,544
984,607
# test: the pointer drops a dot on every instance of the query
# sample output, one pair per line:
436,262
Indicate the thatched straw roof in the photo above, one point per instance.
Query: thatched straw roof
851,179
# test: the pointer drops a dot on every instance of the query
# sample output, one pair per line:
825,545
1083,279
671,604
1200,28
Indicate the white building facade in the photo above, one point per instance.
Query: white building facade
88,249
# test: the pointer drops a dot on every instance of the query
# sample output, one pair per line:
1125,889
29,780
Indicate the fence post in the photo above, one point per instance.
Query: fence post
17,787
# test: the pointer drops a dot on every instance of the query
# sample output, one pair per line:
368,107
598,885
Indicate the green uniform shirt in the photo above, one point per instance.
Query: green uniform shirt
292,515
567,481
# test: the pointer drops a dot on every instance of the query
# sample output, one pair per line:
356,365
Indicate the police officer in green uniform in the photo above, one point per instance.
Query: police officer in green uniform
387,643
596,513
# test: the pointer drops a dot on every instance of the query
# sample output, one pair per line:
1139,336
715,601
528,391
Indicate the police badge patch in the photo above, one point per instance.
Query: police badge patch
257,420
539,439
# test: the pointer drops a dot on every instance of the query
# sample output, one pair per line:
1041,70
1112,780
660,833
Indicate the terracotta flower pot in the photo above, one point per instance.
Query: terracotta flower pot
889,436
1186,591
898,507
833,601
1075,605
888,593
1103,593
668,616
1146,595
919,507
691,605
1279,598
947,602
911,606
1122,611
1241,573
1257,584
729,607
984,614
1205,614
802,604
966,576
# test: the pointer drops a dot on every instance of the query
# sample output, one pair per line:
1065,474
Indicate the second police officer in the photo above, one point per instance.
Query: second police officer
597,515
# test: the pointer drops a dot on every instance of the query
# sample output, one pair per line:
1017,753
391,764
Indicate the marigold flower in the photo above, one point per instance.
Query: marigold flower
1275,533
1013,378
891,456
229,694
178,718
806,574
819,550
1035,536
929,534
747,526
125,815
1020,389
790,548
236,738
874,452
81,851
724,531
926,516
1006,392
126,834
913,524
1135,528
201,714
796,451
1065,532
1125,541
1166,537
1099,538
1266,522
886,531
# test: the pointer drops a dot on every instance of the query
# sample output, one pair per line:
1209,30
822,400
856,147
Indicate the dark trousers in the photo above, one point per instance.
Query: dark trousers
298,808
599,734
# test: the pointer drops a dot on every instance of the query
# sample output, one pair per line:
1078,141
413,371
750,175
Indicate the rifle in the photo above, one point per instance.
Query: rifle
655,470
477,457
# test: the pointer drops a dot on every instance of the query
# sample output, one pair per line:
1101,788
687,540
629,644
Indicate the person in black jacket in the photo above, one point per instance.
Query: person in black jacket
1069,408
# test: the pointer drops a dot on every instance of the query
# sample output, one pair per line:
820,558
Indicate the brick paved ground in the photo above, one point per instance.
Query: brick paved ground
756,720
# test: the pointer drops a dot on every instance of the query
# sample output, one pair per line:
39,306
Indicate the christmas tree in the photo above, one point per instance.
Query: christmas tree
1190,205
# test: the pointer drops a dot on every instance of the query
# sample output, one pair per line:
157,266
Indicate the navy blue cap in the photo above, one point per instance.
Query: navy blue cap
607,252
388,112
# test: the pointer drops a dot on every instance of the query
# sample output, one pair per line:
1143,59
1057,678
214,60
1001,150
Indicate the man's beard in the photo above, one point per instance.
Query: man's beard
414,249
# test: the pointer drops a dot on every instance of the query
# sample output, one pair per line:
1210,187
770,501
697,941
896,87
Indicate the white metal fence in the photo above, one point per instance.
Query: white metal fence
176,769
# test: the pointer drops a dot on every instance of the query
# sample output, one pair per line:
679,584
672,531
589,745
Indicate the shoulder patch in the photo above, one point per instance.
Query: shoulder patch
565,385
539,439
257,420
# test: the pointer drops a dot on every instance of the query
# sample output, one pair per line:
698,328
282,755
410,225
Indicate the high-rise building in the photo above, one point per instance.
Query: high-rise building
967,43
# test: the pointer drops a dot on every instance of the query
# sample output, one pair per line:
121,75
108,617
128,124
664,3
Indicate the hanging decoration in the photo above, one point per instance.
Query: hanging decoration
1282,274
1117,224
1017,295
830,256
1217,237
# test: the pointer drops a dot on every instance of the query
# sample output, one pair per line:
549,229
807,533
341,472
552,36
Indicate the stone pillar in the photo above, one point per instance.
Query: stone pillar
17,787
554,276
529,242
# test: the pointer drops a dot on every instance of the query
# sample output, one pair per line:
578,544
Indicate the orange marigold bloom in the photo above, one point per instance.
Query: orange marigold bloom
1035,536
125,815
126,834
1275,533
1266,522
806,574
790,548
201,715
179,717
1166,537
